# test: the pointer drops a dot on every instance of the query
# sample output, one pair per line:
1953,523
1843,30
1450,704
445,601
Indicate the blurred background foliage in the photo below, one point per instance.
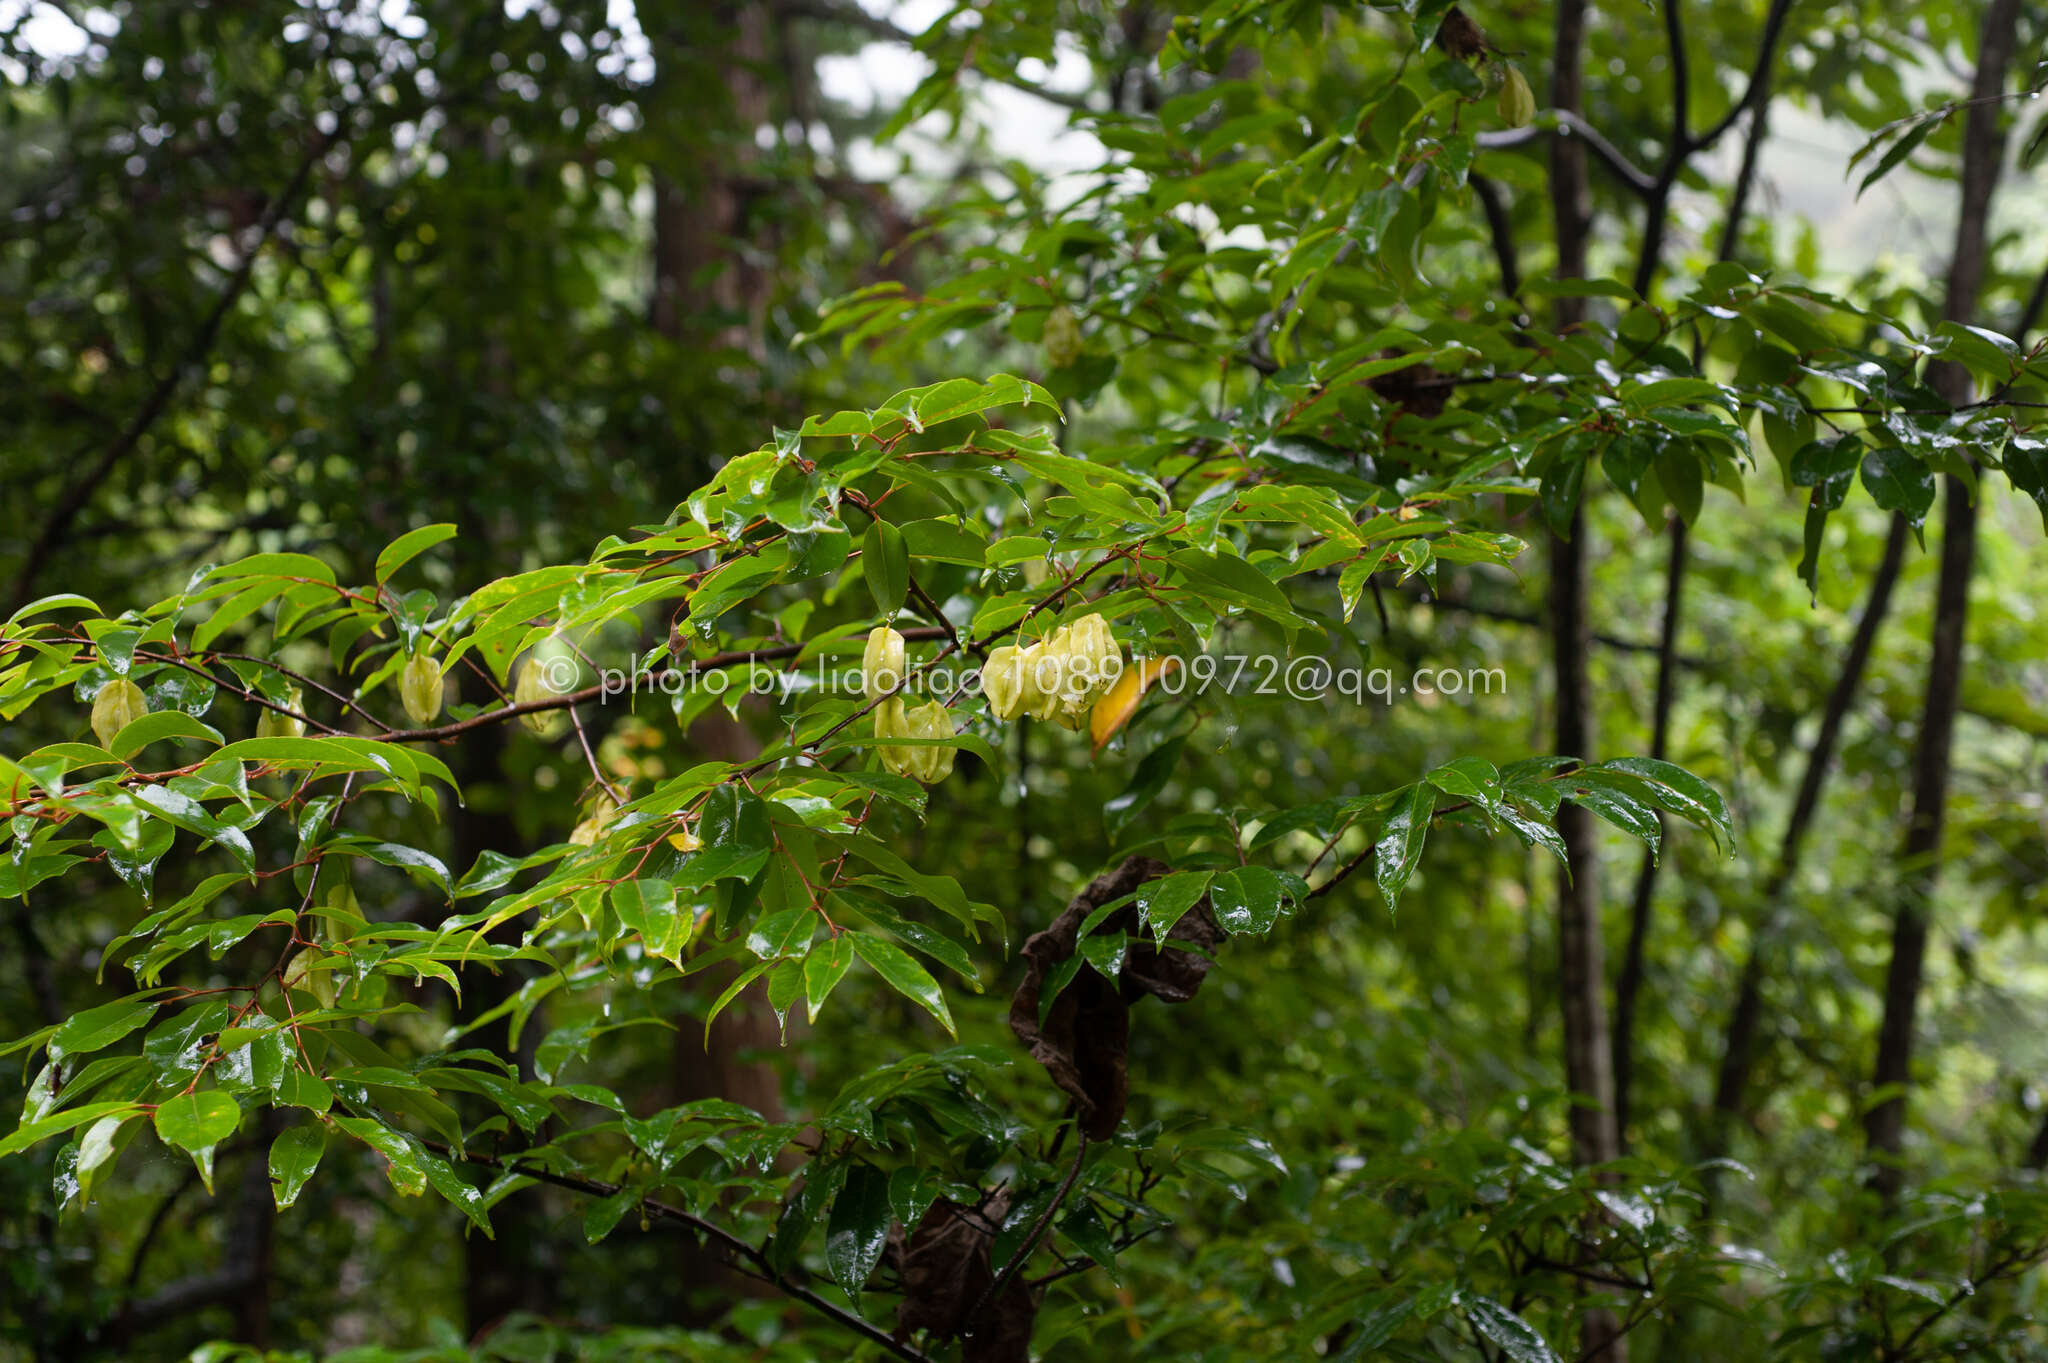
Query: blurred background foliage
538,269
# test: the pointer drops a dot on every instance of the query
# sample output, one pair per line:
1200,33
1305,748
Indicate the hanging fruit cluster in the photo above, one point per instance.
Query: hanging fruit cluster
1058,678
882,674
1061,678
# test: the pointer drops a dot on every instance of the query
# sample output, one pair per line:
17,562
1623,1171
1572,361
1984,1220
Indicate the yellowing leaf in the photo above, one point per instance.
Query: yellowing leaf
1117,706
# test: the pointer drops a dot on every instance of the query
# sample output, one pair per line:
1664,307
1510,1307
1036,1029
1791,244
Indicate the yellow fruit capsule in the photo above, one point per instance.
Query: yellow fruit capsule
1043,667
1097,660
117,705
892,721
1517,102
1062,337
271,724
306,973
420,688
533,686
1066,675
933,764
882,663
1002,681
587,833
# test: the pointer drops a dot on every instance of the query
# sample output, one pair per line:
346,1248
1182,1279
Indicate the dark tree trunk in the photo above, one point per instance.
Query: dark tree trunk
1629,986
1757,97
1884,1124
1738,1052
1581,973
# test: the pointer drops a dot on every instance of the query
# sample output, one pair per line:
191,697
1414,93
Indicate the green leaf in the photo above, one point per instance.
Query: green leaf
1228,580
197,1121
1246,899
1161,902
858,1228
1515,1337
1680,792
734,819
885,566
903,974
603,1215
1351,583
1153,771
1619,804
824,967
649,908
97,1028
413,542
294,1155
2026,464
159,725
1897,152
1401,839
1468,778
1899,482
28,1133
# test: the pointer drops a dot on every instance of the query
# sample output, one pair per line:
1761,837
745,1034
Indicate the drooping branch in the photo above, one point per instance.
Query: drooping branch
747,1258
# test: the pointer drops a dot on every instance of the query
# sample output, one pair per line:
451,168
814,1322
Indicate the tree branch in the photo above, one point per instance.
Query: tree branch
1500,226
1568,123
75,498
748,1258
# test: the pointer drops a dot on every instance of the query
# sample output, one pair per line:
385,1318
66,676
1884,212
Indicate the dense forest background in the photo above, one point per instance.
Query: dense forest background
1680,1080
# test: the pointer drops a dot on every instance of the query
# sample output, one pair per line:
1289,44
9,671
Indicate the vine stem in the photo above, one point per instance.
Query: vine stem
1017,1261
755,1263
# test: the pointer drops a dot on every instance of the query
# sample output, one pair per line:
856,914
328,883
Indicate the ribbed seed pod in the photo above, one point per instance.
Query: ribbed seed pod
1517,101
117,705
931,720
1002,681
587,833
1044,668
419,689
1062,337
272,724
532,686
892,721
882,662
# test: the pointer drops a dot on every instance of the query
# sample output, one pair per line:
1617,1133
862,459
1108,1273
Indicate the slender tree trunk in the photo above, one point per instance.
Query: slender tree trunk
1581,971
1629,986
706,296
1884,1124
252,1239
1581,966
1738,1052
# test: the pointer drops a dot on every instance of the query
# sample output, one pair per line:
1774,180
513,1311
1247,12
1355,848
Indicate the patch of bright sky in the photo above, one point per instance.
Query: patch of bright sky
1017,124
